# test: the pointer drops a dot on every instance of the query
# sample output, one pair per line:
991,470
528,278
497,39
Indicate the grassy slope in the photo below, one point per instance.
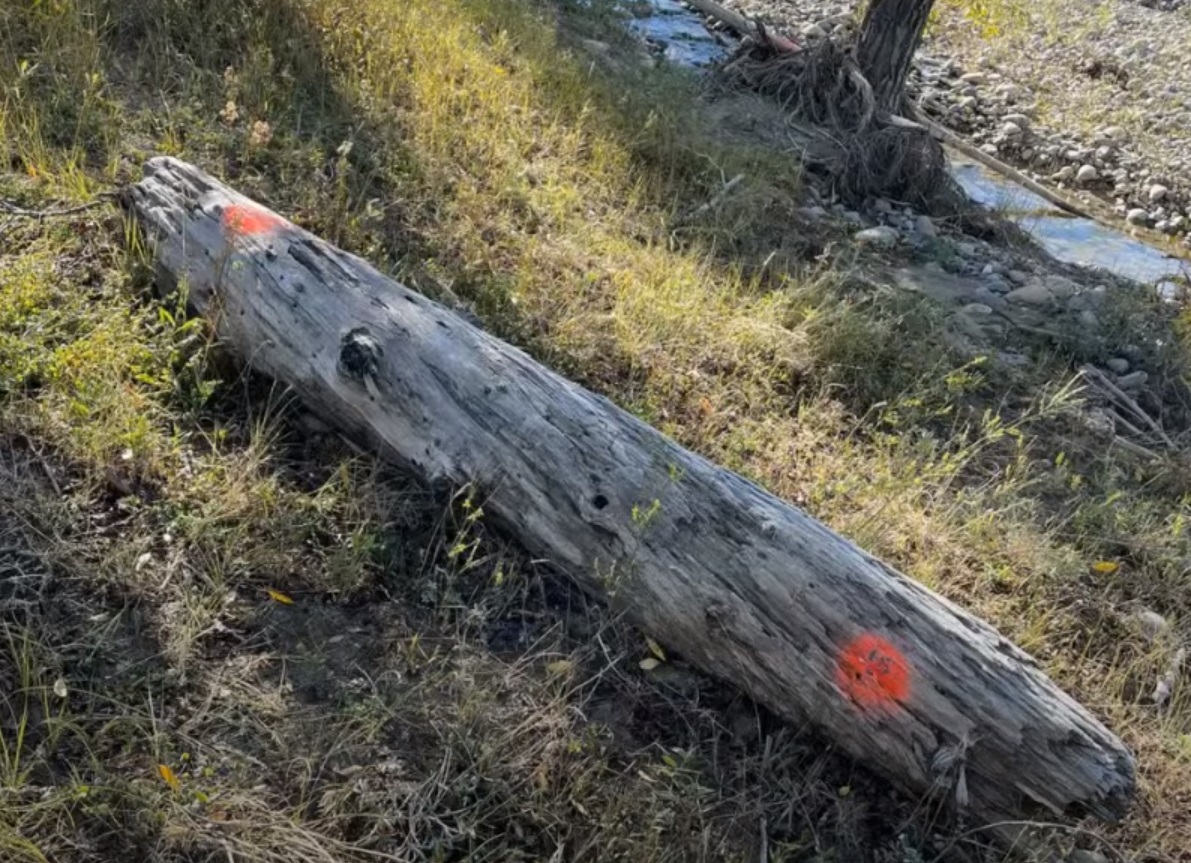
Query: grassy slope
426,693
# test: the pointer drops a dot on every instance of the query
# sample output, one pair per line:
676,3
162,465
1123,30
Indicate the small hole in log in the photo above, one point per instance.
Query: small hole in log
599,501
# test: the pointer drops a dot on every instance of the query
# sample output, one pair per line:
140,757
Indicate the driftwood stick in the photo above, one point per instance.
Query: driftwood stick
744,26
743,585
950,138
1122,398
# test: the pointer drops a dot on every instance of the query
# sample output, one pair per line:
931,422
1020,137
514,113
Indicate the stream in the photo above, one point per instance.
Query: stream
680,35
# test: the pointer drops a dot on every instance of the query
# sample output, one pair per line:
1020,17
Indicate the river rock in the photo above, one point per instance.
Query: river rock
997,284
1133,381
924,226
1033,294
1149,623
1157,192
1061,286
882,236
982,296
1118,365
1137,216
1012,359
1086,174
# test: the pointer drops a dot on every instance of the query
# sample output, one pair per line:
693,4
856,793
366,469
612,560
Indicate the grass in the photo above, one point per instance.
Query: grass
228,635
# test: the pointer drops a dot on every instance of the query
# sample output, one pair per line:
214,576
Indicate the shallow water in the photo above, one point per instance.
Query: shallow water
681,32
1069,238
1076,240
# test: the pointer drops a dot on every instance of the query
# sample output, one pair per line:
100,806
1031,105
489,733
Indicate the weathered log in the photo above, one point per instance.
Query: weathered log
745,586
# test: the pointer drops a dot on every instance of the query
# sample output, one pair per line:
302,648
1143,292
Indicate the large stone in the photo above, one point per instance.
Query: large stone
1118,365
1157,192
1137,216
1086,174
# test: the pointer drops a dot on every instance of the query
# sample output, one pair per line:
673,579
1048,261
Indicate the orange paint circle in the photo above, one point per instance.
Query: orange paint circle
245,221
873,673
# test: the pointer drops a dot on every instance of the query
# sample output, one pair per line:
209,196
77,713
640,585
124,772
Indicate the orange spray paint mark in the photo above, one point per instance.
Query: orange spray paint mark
873,673
242,220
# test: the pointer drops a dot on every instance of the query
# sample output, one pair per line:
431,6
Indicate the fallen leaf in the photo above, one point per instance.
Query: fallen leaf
655,649
170,778
1105,567
560,667
648,664
278,596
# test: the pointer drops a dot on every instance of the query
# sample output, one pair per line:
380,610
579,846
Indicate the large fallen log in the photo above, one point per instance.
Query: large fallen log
747,587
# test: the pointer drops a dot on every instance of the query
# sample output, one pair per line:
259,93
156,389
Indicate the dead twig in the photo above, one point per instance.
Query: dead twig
14,210
952,139
1136,448
1100,380
714,201
745,27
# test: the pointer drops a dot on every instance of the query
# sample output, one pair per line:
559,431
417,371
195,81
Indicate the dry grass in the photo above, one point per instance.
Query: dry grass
335,663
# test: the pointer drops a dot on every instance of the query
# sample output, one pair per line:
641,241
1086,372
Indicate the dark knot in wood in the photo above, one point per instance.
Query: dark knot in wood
359,355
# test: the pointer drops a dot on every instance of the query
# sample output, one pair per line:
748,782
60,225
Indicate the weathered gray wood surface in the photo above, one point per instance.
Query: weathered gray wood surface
745,586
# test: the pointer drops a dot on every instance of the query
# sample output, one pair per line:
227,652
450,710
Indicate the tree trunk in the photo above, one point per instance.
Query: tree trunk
889,36
745,586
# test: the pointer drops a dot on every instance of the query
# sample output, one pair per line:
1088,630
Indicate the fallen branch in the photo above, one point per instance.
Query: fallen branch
1102,382
743,585
744,26
953,140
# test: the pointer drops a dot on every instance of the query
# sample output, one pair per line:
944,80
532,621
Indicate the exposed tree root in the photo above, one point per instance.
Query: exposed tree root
871,156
